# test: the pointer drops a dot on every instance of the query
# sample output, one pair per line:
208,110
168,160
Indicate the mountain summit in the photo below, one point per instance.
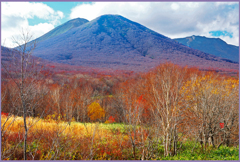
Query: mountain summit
214,46
112,41
62,28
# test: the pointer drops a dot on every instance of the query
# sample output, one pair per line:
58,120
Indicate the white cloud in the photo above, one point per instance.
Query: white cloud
15,15
225,3
41,28
174,6
172,19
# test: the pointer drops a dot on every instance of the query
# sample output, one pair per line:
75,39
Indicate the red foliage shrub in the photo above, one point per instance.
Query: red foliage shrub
111,119
221,125
4,114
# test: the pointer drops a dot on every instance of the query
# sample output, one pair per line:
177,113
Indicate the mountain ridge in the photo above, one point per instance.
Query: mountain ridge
62,28
214,46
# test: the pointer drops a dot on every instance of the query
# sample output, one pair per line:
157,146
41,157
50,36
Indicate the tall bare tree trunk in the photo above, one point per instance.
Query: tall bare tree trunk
23,105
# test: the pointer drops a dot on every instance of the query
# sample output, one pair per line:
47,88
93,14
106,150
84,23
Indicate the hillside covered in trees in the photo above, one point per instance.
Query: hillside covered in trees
160,114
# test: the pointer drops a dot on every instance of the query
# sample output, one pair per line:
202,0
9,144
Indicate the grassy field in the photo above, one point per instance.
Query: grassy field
223,153
54,139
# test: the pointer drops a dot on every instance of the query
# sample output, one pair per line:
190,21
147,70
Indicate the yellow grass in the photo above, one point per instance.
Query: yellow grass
15,124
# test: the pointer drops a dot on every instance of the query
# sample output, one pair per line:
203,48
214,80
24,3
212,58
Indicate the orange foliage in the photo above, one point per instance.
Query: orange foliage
95,111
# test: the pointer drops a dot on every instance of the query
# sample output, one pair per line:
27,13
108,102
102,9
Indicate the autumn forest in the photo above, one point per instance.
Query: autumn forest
168,113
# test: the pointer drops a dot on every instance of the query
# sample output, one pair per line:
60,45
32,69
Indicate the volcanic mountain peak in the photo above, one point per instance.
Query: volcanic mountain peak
121,23
63,28
111,35
115,42
76,22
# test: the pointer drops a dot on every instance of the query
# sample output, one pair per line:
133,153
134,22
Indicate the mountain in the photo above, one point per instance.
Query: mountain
62,28
5,56
115,42
10,56
10,59
214,46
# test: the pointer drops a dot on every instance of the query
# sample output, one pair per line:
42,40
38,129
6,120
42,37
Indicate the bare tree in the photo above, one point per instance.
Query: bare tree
22,69
165,85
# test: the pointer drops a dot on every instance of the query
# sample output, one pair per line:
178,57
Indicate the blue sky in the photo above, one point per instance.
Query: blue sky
172,19
219,33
